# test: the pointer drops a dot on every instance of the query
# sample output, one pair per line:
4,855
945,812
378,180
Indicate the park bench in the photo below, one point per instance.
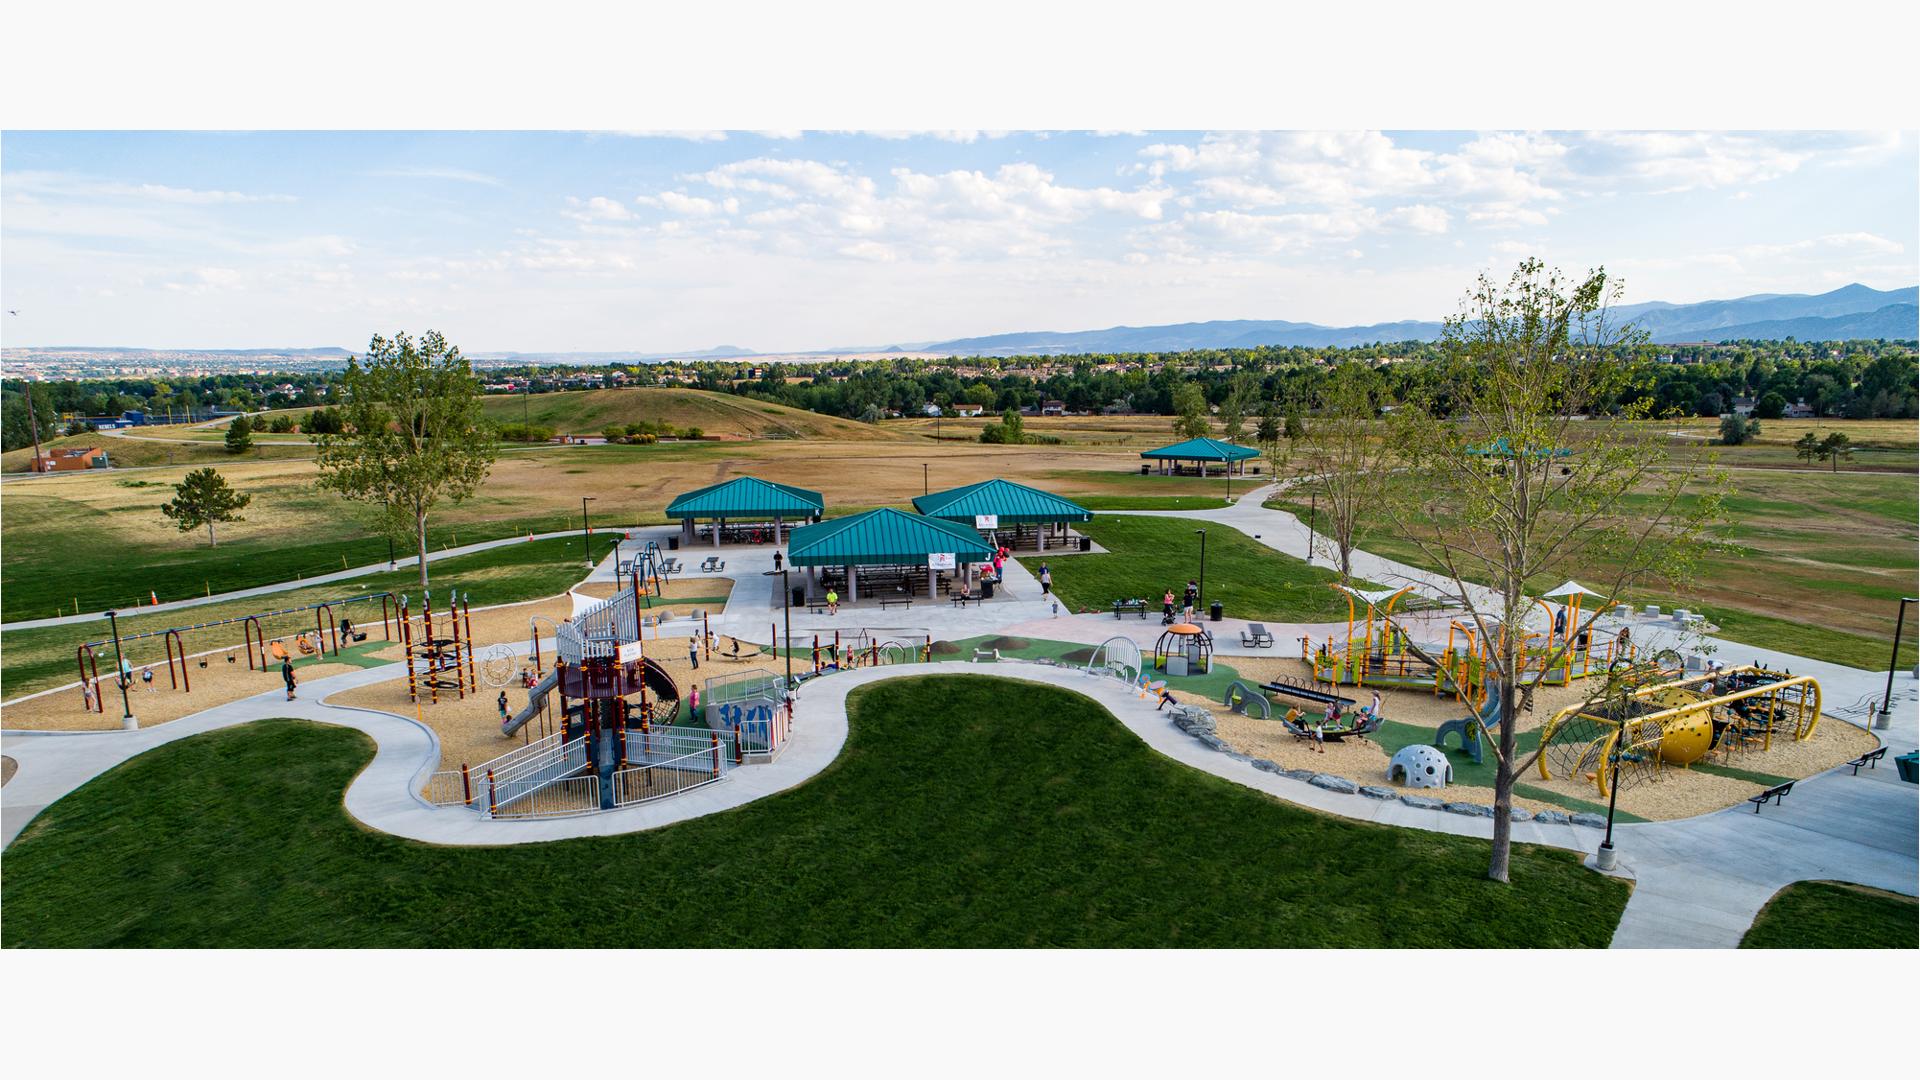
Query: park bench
962,601
889,601
712,565
1871,759
986,654
1121,607
1777,793
1255,636
817,605
670,566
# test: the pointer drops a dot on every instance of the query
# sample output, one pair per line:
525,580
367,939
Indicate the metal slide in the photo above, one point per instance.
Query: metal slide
535,697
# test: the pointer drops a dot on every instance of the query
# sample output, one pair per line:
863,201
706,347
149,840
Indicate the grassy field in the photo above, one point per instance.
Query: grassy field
984,829
1835,915
1812,564
586,412
33,660
1148,555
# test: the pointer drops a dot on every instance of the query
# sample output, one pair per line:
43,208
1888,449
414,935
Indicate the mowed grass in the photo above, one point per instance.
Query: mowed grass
1835,915
1146,556
36,659
951,819
586,412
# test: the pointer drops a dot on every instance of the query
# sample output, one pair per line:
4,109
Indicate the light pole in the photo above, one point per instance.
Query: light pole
1201,598
1893,662
1313,511
925,481
586,530
120,675
1606,858
786,610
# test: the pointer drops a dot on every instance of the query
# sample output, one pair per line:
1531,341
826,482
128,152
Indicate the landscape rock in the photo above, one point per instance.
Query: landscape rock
1591,821
1266,766
1421,802
1298,774
1518,814
1550,817
1211,742
1334,783
1468,809
1372,792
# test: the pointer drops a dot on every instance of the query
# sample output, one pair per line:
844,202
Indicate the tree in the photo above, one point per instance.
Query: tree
1771,406
1836,448
1807,448
1268,431
412,430
239,435
203,497
1233,410
1345,456
1736,430
1296,424
1521,479
1190,412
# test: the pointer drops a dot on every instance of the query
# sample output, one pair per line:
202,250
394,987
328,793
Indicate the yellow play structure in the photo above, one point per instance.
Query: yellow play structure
1680,722
1378,651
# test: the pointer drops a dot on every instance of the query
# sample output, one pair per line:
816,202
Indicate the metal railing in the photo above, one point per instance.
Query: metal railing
544,798
598,631
659,779
447,788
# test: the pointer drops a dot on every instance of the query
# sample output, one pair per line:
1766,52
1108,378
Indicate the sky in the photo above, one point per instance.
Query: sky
786,241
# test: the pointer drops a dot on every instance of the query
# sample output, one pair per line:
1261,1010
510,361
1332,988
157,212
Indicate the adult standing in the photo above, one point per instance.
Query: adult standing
286,672
693,652
1046,580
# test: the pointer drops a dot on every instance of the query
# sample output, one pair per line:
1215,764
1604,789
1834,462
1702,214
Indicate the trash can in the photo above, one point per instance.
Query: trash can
1214,611
673,543
799,596
1146,470
1086,543
986,589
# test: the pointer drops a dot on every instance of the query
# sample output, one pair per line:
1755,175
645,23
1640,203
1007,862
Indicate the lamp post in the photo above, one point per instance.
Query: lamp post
1201,599
926,483
786,610
1606,858
1313,511
1893,662
586,531
120,675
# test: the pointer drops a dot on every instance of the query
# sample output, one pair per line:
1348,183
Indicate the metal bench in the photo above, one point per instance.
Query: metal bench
711,565
962,601
1870,759
1777,793
1121,607
889,601
1255,636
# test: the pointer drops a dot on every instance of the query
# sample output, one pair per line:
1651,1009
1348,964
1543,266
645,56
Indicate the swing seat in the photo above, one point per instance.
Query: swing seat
277,650
305,646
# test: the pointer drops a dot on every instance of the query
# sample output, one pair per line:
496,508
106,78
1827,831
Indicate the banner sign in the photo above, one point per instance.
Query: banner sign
628,652
940,560
986,521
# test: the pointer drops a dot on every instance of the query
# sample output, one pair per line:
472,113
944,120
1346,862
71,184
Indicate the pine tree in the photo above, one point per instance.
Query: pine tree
203,497
239,435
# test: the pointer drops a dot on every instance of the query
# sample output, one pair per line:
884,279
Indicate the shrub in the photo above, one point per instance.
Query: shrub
525,433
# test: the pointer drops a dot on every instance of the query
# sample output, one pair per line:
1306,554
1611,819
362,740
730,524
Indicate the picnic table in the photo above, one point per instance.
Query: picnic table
1121,607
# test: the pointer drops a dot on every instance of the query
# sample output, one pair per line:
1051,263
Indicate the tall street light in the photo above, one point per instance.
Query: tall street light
786,607
1201,599
925,481
121,675
586,531
1313,512
1899,628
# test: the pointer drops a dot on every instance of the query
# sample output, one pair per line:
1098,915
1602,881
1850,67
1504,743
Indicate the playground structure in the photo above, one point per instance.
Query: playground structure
1379,651
258,643
857,647
1420,766
439,660
1634,737
754,707
1472,729
1183,649
1119,658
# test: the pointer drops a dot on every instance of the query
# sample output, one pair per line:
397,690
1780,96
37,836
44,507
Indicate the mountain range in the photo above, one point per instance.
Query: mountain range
1853,311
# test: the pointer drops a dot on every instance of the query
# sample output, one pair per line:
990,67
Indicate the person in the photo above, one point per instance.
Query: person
1166,609
286,672
503,706
1046,580
1192,599
693,652
1293,718
1625,641
146,677
345,634
1319,737
1560,623
693,700
833,602
86,694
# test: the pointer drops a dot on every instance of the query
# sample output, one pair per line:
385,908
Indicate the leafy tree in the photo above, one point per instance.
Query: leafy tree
1344,458
1268,431
203,497
1807,448
1836,448
1233,410
1491,497
280,424
1296,424
614,433
413,433
15,430
1736,430
239,435
1771,406
1190,412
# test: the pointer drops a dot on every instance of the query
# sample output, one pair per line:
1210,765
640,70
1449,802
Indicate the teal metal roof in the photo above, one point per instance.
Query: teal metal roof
746,497
883,537
1012,503
1203,450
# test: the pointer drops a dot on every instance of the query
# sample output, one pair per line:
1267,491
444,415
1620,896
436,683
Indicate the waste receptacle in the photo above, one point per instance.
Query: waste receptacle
1214,611
1086,543
673,543
986,589
799,596
1146,470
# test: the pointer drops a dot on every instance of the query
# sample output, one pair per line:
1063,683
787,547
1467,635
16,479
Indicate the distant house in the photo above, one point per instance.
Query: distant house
69,459
1799,410
1053,408
1743,407
965,408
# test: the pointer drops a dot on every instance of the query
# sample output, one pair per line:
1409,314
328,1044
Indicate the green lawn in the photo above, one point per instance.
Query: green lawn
1148,555
1151,502
36,659
1835,915
60,552
952,818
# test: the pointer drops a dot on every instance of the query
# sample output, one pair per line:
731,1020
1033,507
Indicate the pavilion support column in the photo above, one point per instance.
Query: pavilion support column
718,527
1042,537
933,582
853,585
776,530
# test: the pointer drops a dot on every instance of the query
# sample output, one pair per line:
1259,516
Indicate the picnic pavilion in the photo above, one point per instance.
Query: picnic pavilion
1203,454
887,553
1022,517
744,510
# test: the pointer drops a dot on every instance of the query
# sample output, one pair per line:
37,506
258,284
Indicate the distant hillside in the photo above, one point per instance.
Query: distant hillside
1852,311
586,412
1899,322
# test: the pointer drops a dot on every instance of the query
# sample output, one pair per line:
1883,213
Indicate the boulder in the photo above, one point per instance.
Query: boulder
1550,817
1421,802
1334,783
1518,814
1372,792
1591,821
1468,809
1266,766
1210,741
1298,774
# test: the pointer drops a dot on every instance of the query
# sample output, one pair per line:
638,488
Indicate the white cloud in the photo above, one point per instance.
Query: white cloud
436,172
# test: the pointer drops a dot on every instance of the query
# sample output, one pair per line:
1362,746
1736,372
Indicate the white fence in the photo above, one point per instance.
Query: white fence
545,798
659,779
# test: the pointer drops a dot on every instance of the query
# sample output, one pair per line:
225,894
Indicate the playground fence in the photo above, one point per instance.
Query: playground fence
562,797
446,788
659,779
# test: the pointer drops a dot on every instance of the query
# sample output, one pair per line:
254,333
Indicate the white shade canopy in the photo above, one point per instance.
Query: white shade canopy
1571,589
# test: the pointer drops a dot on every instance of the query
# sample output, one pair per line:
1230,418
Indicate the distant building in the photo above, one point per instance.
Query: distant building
1799,410
963,408
69,459
1053,408
1743,407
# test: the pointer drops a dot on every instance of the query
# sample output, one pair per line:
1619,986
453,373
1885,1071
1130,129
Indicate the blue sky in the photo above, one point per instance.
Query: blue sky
782,240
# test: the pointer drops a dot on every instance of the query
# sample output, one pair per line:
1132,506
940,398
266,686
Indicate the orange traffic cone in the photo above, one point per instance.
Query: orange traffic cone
154,596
